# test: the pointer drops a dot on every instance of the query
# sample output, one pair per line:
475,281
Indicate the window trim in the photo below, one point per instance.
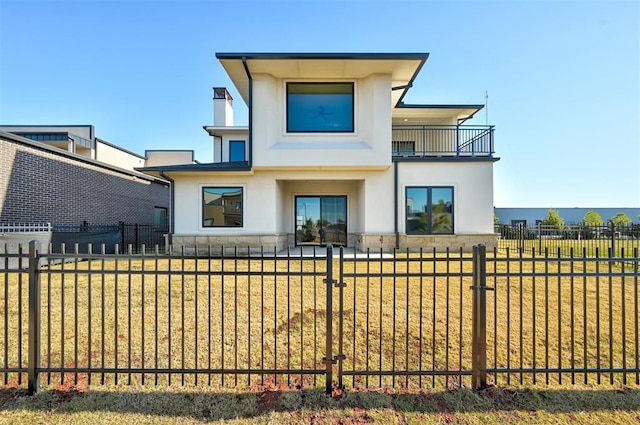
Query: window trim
353,108
230,187
429,190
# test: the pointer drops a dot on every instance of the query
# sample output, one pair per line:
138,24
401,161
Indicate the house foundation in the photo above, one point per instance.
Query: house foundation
413,243
273,243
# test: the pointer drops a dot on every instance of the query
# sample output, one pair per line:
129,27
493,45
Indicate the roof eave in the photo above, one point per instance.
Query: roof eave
237,71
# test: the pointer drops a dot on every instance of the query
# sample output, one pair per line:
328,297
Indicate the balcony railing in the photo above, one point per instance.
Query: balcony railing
442,141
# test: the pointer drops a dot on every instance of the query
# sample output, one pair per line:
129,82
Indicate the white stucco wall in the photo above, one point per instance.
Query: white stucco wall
221,144
258,204
169,157
268,202
472,184
114,156
269,199
367,146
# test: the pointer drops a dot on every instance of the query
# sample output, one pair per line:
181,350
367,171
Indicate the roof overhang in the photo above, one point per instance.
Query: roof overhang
403,67
432,114
227,168
218,131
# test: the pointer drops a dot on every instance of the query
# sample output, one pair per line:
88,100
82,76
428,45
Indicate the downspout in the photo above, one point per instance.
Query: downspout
172,213
246,69
395,202
395,168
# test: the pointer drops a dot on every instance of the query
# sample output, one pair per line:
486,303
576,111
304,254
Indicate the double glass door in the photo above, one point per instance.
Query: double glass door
321,220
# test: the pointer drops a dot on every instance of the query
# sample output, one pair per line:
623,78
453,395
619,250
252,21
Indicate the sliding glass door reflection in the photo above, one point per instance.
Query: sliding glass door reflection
321,220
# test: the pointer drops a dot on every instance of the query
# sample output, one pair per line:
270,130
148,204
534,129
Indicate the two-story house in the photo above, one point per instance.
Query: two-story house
332,155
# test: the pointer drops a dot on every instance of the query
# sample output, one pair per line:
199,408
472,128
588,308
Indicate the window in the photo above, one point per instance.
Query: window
429,210
46,137
160,217
320,107
236,151
222,207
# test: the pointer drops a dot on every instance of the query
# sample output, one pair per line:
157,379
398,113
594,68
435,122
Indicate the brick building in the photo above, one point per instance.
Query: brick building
44,184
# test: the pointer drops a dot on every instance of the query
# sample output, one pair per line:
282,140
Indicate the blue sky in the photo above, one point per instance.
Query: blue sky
563,77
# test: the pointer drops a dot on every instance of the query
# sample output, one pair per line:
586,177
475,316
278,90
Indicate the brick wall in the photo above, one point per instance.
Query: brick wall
41,185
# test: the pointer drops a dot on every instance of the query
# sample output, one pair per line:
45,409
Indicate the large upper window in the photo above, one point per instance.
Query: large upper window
222,207
320,107
429,210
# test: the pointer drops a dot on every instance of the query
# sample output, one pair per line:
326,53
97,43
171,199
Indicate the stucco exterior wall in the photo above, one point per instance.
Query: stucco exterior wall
472,184
114,156
367,146
269,199
168,157
269,202
221,153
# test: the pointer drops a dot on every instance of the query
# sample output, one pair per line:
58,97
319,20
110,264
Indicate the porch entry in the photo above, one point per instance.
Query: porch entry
321,220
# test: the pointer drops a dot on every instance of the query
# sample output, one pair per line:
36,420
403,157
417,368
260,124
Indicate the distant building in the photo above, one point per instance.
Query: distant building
531,216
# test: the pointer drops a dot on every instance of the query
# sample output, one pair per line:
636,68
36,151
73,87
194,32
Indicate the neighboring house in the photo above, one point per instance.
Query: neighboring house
332,155
41,182
80,140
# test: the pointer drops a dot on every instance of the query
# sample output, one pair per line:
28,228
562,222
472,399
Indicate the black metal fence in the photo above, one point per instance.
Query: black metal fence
441,140
128,236
603,240
428,319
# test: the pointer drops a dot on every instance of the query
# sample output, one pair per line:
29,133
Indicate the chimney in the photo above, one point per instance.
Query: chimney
222,108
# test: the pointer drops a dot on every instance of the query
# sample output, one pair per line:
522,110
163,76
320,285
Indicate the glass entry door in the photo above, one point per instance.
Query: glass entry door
321,220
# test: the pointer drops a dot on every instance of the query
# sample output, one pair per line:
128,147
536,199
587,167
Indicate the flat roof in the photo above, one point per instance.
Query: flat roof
417,113
206,167
60,152
403,67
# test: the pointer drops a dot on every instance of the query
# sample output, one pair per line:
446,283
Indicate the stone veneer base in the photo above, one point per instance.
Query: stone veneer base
414,243
254,243
271,243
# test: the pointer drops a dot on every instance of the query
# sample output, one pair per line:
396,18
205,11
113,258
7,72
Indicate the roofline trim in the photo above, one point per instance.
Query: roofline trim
212,166
42,146
437,106
422,57
390,56
120,148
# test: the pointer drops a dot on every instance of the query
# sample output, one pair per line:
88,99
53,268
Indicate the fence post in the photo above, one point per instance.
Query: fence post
539,237
34,318
328,359
479,344
122,236
613,238
136,238
521,237
340,285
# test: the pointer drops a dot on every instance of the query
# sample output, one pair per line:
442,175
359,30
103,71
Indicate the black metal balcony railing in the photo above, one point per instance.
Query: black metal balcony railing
442,140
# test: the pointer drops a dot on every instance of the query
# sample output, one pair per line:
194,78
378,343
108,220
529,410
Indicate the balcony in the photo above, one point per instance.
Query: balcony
433,141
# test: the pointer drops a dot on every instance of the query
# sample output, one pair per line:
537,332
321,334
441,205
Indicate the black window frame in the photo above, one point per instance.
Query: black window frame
429,190
244,150
316,83
161,217
232,208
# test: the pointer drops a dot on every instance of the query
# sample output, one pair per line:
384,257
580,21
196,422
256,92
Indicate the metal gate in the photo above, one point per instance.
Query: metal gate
406,324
